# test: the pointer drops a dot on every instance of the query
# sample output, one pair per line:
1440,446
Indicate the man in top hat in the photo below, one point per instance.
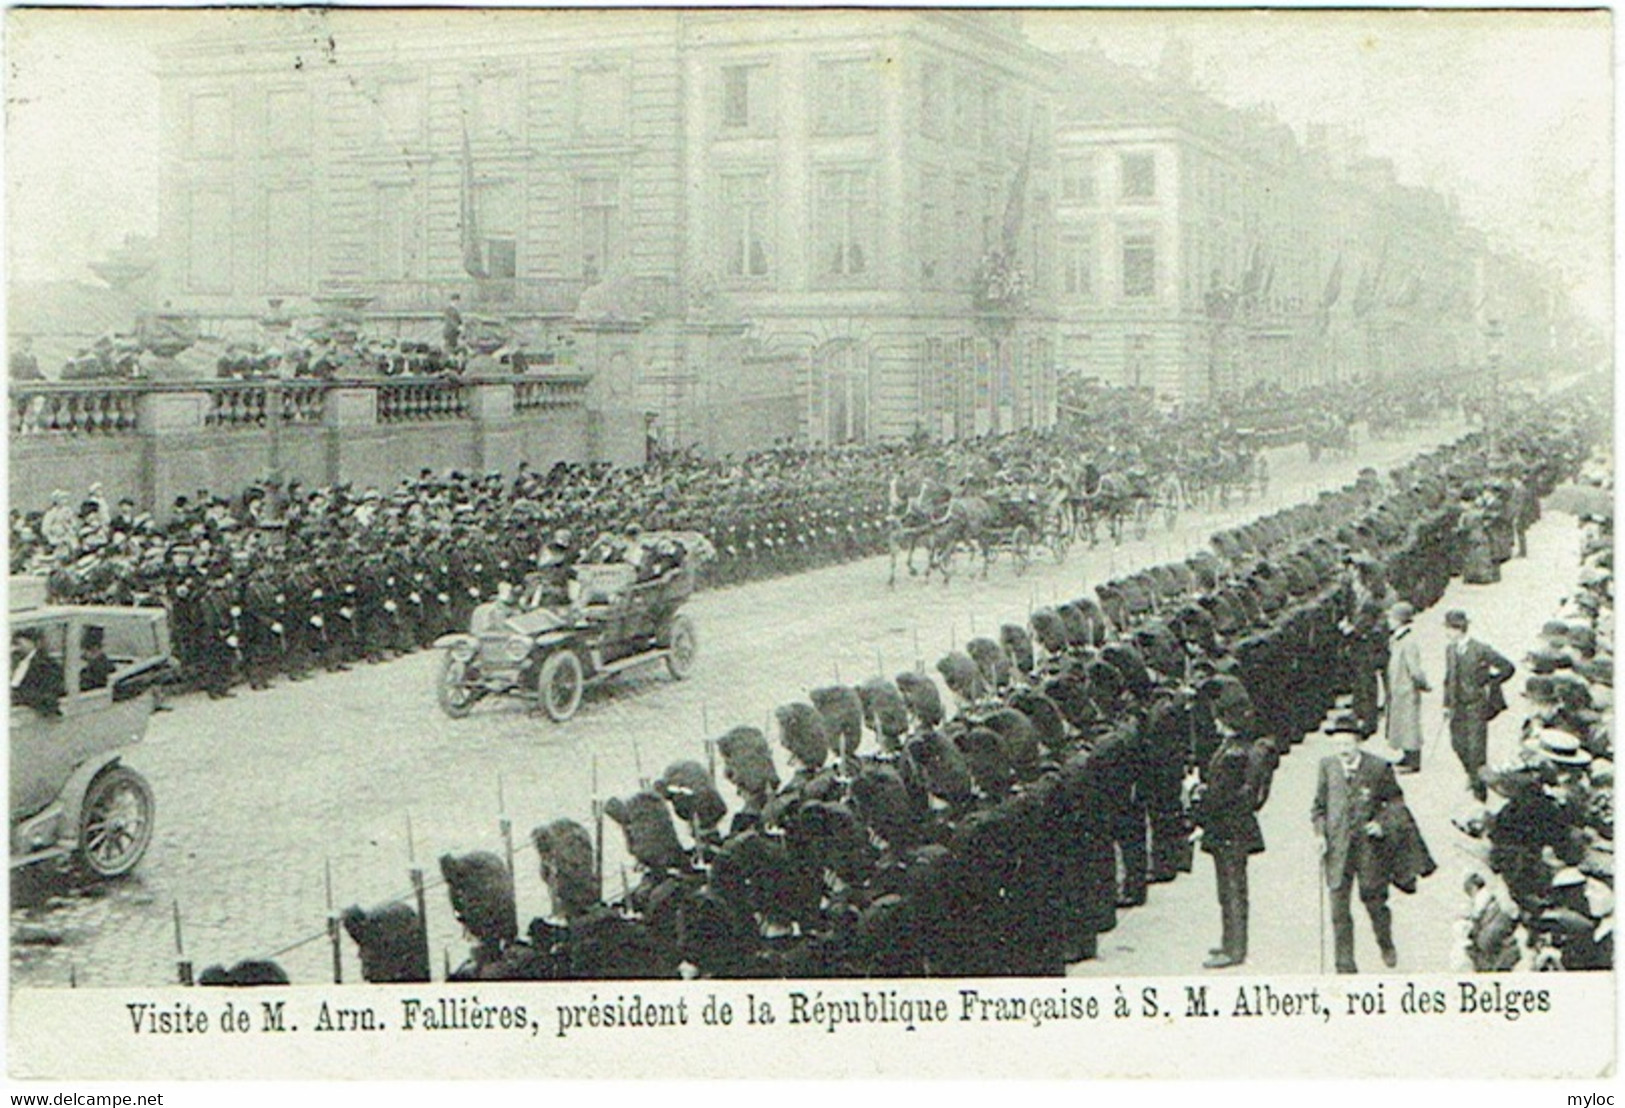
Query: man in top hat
1352,787
1473,676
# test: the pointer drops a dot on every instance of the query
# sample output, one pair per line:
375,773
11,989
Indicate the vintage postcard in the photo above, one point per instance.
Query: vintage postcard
720,542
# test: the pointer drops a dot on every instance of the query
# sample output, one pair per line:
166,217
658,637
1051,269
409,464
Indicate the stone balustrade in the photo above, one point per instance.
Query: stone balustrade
153,440
73,409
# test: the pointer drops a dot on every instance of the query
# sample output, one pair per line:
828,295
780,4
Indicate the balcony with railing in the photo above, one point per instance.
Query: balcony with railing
63,410
73,409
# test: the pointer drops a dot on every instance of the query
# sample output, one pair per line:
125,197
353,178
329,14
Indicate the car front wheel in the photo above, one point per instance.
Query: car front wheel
559,685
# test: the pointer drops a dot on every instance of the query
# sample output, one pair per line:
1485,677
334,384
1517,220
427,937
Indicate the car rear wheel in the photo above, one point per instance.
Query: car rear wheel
685,646
115,824
559,685
456,698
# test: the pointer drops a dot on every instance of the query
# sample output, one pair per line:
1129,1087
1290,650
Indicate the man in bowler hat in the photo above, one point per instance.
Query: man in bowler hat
1352,787
1473,675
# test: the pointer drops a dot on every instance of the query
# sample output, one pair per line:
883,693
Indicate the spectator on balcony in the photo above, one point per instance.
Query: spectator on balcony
451,330
24,365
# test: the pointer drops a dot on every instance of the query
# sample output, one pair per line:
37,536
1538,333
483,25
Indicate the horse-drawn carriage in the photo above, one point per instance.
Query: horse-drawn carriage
622,613
1018,516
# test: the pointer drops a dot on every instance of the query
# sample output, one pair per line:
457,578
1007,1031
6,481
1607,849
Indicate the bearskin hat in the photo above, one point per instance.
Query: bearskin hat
884,711
1050,630
481,892
1078,632
1130,667
920,693
250,971
1070,693
984,754
747,761
1229,701
1018,739
991,659
843,716
1105,684
692,794
962,677
883,802
822,834
1049,725
943,767
646,822
754,870
1159,648
389,939
712,934
564,851
1018,644
802,733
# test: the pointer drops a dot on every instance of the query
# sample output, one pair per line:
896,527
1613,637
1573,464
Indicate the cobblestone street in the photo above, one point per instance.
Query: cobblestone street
261,795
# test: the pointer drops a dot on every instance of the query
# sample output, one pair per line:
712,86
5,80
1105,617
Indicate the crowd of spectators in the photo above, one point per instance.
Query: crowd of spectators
1541,890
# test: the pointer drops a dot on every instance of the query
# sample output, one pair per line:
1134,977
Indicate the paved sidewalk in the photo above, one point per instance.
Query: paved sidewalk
1172,933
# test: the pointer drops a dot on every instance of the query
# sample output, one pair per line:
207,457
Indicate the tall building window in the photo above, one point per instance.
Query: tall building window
958,238
600,102
1139,177
1077,266
500,218
499,107
287,121
400,106
1077,355
845,224
1078,180
397,233
287,239
208,241
599,217
747,233
847,94
736,96
1140,265
930,241
933,95
209,134
964,109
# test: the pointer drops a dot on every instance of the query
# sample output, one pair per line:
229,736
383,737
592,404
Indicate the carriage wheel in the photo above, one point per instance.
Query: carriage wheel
1021,548
116,824
685,645
559,685
456,698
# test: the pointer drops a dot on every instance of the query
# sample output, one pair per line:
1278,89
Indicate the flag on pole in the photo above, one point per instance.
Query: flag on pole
469,224
1334,285
1015,208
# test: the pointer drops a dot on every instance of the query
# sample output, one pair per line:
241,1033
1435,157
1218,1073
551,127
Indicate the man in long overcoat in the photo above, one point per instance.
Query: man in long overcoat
1352,788
1406,683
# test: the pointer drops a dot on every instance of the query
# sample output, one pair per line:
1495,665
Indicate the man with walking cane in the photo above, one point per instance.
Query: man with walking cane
1367,837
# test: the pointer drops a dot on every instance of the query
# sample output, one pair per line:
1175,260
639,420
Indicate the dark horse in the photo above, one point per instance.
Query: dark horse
968,521
912,519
